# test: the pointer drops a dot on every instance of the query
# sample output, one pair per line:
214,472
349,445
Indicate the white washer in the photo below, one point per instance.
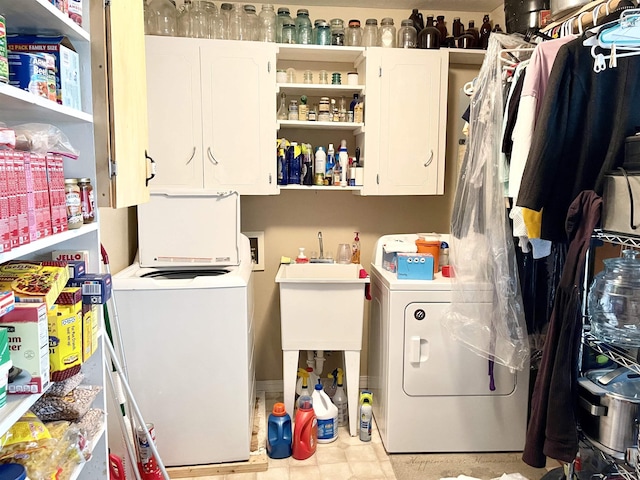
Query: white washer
431,394
186,318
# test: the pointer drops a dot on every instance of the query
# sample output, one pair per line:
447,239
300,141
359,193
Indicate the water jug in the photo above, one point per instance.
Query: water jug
614,301
279,433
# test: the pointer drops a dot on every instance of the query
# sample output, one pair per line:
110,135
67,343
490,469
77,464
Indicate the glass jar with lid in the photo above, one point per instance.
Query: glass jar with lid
353,37
387,33
225,13
163,18
252,29
407,35
370,33
324,110
73,203
87,200
323,34
268,23
293,110
284,15
237,27
337,32
288,32
303,27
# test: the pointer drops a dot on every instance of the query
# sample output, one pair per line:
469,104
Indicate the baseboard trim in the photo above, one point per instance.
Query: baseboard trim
275,386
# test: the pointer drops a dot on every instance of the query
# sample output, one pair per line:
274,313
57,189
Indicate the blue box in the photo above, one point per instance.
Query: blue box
96,287
28,71
415,266
76,268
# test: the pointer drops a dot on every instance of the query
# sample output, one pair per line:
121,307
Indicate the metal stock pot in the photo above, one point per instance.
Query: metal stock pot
609,409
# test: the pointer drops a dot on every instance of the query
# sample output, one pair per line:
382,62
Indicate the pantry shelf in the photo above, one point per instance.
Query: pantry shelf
93,442
320,187
47,242
319,89
617,238
357,128
320,53
17,405
22,17
23,106
462,56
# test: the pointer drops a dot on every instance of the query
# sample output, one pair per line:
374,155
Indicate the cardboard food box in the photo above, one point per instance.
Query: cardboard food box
34,281
71,255
29,71
89,330
96,287
7,302
5,365
28,336
65,336
415,266
67,63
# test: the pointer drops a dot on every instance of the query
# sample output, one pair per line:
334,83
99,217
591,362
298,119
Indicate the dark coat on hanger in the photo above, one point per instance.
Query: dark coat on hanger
584,119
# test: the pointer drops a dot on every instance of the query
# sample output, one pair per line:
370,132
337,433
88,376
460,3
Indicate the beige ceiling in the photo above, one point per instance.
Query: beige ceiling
485,6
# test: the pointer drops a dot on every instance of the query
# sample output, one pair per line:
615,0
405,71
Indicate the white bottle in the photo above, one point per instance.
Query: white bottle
366,414
331,162
307,377
340,401
343,158
327,415
320,166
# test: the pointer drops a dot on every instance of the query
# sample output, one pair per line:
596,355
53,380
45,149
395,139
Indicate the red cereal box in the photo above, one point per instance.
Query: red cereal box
12,189
31,199
23,219
5,234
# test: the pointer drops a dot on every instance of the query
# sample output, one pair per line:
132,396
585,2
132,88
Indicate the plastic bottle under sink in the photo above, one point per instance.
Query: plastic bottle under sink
327,415
307,378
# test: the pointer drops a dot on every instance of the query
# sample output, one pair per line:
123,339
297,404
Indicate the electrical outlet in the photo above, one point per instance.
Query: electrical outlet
256,240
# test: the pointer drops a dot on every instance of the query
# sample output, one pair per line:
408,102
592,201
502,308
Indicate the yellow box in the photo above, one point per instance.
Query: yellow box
87,332
95,326
65,339
34,282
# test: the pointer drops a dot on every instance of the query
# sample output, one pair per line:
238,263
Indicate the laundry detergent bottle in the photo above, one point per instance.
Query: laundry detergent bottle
327,414
305,430
279,434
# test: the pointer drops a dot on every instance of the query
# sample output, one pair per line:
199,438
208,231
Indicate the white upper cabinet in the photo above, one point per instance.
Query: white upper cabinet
406,119
212,130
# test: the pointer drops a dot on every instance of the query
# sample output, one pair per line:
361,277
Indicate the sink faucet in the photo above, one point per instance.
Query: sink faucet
320,242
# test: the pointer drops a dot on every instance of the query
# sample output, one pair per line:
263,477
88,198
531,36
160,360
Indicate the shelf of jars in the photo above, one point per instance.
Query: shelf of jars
21,16
356,128
315,89
321,53
47,242
21,105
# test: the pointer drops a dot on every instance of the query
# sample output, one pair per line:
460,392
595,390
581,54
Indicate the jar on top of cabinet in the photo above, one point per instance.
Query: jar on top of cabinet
73,203
387,33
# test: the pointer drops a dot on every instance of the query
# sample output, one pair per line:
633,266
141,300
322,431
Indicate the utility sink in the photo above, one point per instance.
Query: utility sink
320,273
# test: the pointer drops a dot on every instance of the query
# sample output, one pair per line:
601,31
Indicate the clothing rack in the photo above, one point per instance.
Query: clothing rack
585,16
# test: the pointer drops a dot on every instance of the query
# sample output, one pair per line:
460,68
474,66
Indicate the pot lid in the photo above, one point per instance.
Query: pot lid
621,382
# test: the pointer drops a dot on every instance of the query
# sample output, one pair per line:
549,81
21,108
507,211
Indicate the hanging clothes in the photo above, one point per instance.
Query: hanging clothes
579,136
482,250
552,429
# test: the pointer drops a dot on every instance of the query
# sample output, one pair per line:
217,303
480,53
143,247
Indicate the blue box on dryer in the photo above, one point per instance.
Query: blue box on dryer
415,266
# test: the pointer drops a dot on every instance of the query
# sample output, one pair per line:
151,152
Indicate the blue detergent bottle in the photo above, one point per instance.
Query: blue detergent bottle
279,433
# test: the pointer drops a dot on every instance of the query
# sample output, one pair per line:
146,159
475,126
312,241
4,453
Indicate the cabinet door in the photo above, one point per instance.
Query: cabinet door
239,116
119,102
174,113
412,121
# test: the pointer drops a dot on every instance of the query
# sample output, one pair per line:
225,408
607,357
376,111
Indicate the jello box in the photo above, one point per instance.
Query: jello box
96,287
34,281
28,336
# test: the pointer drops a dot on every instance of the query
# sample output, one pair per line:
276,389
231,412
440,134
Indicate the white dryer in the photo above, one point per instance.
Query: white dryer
431,393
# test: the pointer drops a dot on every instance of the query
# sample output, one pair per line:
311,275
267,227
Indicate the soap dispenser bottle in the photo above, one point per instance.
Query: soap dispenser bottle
355,249
302,258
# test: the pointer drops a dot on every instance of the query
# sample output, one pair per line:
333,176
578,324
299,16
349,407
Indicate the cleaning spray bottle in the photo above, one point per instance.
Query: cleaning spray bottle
355,249
340,401
330,389
327,415
366,415
302,387
331,164
305,431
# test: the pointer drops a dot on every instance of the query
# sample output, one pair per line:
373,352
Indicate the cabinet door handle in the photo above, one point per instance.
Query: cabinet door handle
153,168
428,162
191,157
212,159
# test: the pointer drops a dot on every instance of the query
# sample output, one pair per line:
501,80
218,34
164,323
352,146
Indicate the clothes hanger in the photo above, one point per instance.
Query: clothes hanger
621,38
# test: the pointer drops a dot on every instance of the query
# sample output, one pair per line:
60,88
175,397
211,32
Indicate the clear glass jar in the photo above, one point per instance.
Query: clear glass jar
314,31
353,37
614,301
370,33
304,31
288,32
237,28
283,112
323,36
218,26
268,24
73,203
184,19
387,33
283,15
87,200
251,23
324,110
201,18
337,32
323,77
407,35
165,18
225,10
293,108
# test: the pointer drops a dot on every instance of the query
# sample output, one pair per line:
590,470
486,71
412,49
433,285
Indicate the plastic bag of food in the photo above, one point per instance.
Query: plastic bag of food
70,407
64,387
43,138
71,449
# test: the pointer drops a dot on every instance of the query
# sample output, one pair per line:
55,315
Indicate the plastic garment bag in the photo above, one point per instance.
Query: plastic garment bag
486,312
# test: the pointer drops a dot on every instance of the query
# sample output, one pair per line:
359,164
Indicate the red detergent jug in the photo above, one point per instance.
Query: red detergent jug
305,432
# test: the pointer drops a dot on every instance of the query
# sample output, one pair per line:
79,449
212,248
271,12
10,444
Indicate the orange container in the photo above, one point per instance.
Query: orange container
432,247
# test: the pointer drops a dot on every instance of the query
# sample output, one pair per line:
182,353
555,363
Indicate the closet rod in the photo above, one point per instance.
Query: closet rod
587,18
